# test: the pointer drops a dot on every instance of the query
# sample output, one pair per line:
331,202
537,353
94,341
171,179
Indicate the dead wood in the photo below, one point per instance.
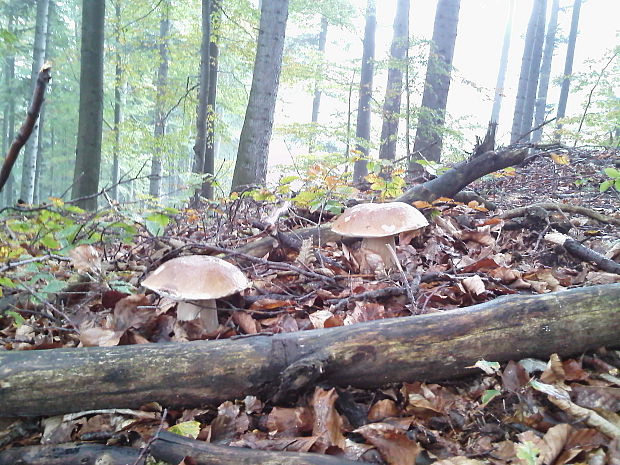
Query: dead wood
563,208
367,355
71,454
173,448
584,253
26,129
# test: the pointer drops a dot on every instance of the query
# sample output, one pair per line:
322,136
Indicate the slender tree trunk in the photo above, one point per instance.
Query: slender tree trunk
534,72
428,141
568,65
316,102
203,93
393,91
362,131
160,113
9,110
503,66
38,56
545,71
118,101
88,151
253,152
210,152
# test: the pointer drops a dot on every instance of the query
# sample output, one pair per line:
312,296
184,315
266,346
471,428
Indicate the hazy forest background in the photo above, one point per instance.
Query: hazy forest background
151,81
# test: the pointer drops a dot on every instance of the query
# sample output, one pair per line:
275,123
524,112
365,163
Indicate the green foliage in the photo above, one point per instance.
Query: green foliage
613,181
528,452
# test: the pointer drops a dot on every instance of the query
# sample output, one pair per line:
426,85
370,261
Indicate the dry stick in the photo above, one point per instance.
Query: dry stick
26,129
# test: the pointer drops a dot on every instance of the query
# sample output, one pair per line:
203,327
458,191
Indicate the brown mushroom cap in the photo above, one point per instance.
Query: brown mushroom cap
196,277
378,220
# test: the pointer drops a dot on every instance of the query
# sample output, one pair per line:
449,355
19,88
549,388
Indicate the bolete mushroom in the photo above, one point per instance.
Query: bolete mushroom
195,281
377,224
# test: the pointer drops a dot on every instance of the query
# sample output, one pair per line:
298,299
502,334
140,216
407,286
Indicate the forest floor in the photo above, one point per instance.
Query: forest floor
496,416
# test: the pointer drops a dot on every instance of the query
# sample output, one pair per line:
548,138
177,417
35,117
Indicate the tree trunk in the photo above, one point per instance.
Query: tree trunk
393,91
88,151
568,66
160,112
8,120
38,56
118,102
534,72
545,72
364,113
214,56
503,66
253,152
203,93
366,355
316,101
428,140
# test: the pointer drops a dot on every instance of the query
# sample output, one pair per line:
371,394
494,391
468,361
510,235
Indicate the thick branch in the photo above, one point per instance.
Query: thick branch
367,355
31,118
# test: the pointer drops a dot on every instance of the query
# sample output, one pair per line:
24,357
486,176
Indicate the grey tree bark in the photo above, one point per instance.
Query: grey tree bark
534,72
316,101
118,103
8,117
38,56
210,152
159,130
428,140
88,151
393,91
503,66
545,71
253,151
568,65
203,93
362,131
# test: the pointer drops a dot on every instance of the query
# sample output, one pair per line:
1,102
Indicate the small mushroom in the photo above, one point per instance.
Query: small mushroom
195,281
377,224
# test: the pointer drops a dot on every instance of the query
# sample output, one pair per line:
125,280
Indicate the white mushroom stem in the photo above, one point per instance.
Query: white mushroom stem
206,310
380,246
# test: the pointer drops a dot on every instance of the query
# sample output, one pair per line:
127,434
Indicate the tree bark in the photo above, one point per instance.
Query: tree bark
362,131
38,55
160,114
428,139
316,101
545,72
253,151
90,125
568,66
393,91
118,103
71,454
366,355
8,120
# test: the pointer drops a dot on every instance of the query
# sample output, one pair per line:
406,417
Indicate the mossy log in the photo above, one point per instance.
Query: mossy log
367,355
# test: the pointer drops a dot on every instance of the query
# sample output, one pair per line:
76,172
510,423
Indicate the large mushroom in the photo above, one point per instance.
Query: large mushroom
195,281
377,224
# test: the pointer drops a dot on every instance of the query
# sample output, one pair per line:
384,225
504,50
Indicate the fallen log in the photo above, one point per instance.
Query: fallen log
367,355
172,448
71,454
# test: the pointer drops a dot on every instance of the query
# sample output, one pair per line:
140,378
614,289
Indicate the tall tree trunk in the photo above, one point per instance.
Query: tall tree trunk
214,56
428,140
316,101
534,73
393,91
38,56
362,131
524,75
503,66
118,101
568,65
88,151
203,93
545,71
8,119
253,152
160,113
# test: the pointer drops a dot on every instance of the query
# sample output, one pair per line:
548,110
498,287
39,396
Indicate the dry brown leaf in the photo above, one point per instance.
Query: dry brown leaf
474,285
133,311
554,441
324,319
246,322
86,259
383,409
290,421
554,372
459,461
392,442
100,337
327,422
